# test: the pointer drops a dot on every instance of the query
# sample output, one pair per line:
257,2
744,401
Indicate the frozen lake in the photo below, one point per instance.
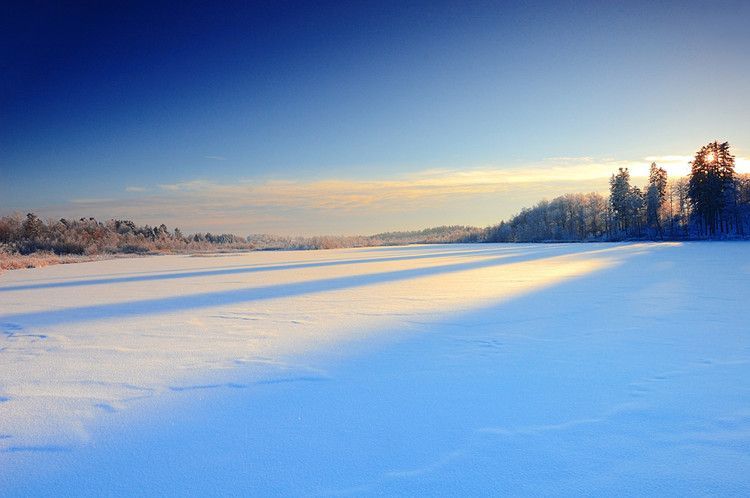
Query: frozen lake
569,369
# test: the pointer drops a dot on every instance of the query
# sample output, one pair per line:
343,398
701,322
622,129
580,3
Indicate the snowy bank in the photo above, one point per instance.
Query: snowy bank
461,369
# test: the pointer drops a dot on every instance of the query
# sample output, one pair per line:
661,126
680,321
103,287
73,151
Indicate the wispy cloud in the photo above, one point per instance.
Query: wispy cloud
91,200
481,195
425,187
216,158
172,188
135,189
407,192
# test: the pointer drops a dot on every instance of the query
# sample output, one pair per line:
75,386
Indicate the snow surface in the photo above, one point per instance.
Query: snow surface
582,369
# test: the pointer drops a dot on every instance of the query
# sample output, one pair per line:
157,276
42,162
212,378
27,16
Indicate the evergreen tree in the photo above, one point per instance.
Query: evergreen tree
711,187
636,205
620,194
656,193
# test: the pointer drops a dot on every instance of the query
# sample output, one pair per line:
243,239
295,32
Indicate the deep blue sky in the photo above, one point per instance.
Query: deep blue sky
97,98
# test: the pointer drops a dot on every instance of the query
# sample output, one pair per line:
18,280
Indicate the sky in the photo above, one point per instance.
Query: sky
355,117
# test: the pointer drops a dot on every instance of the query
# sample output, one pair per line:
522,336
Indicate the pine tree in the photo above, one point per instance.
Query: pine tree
656,193
711,187
620,198
636,205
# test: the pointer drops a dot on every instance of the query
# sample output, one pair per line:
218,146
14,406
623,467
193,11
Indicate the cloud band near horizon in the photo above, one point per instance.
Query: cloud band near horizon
479,196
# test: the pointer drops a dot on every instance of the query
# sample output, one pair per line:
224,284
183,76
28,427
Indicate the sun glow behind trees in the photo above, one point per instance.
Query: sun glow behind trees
478,195
713,190
712,201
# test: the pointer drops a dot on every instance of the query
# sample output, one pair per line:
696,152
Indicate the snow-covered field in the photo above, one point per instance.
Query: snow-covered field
584,369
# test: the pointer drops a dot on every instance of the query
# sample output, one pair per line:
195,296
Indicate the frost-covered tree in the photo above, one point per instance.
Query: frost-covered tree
742,190
627,203
568,217
636,208
32,227
620,198
656,193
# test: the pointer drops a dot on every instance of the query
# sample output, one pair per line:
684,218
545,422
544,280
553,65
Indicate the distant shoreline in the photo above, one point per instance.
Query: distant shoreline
10,262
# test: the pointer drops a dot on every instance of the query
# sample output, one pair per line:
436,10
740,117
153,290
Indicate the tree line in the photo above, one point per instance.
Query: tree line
88,236
713,201
27,235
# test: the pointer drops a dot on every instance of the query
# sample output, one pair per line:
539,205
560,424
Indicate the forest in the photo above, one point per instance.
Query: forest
712,202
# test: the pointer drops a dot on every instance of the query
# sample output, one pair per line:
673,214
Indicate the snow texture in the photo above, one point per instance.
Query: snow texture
581,369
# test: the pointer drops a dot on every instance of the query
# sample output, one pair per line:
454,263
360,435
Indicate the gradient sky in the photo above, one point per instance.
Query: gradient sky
355,117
